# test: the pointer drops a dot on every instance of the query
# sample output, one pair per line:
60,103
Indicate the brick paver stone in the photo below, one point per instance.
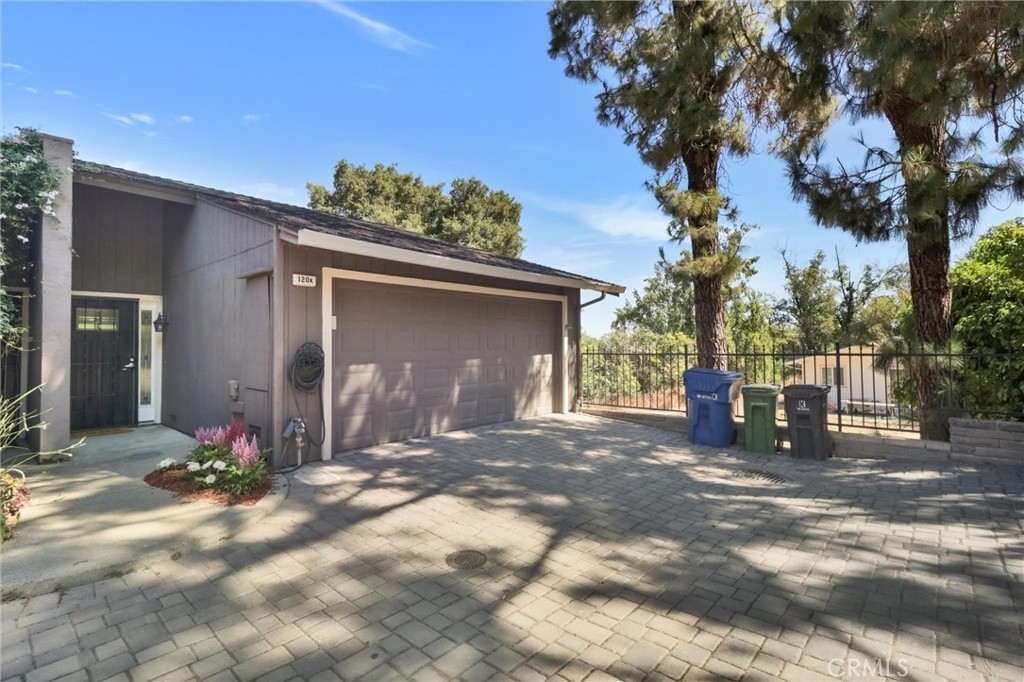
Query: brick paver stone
615,552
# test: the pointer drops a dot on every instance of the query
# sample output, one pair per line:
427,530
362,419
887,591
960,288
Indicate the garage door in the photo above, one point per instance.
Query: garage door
411,361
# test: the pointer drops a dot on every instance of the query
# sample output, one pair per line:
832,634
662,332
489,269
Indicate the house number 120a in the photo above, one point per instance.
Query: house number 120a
304,280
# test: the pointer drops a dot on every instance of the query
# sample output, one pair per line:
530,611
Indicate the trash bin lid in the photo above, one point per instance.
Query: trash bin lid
806,390
760,389
718,375
704,379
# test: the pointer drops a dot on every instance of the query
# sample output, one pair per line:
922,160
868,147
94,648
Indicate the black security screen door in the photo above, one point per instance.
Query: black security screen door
104,366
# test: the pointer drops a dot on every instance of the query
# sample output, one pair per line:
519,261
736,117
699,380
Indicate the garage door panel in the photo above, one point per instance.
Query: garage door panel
398,379
355,428
520,311
495,342
434,378
467,410
398,303
436,340
496,310
468,341
463,307
400,420
413,362
355,379
400,340
356,340
468,375
497,374
496,407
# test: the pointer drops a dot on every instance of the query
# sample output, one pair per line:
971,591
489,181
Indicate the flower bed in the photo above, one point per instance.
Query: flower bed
225,467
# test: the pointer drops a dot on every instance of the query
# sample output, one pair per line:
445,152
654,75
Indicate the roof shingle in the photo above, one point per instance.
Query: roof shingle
299,218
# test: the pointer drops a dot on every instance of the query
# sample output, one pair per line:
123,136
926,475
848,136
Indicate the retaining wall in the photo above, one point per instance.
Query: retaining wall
978,440
853,445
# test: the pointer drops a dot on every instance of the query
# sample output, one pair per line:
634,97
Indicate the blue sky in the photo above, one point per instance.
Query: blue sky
261,98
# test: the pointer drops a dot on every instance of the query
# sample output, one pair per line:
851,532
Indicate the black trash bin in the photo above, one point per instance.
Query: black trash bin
807,414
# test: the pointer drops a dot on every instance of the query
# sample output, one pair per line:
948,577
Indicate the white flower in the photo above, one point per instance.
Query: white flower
219,465
23,239
208,464
21,206
193,466
167,463
210,479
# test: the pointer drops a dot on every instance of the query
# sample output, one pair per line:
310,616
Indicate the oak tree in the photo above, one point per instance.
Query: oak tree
470,214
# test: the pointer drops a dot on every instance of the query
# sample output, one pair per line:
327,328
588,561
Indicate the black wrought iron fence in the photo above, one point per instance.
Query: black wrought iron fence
872,387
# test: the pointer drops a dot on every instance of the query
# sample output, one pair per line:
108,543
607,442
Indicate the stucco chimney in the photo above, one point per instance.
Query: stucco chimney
51,309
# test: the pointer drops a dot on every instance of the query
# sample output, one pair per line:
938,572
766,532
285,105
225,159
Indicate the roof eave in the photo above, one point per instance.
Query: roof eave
146,189
333,242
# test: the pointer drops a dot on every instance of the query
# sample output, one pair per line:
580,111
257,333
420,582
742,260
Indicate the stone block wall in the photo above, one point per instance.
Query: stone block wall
978,440
893,448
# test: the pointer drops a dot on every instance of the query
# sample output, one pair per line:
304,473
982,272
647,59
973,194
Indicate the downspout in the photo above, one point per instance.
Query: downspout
579,362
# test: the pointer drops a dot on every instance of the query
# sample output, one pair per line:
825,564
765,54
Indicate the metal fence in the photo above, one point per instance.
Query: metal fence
871,389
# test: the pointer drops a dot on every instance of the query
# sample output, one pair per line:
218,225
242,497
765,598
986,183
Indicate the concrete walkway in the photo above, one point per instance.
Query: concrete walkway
93,517
613,552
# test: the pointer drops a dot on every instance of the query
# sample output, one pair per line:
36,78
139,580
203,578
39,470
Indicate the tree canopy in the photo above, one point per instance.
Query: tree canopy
948,79
988,312
672,79
665,305
810,304
470,214
28,187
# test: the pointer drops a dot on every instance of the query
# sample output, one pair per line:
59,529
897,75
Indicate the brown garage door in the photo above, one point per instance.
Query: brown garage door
410,362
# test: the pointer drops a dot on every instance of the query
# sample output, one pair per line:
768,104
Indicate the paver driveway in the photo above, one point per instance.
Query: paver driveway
615,551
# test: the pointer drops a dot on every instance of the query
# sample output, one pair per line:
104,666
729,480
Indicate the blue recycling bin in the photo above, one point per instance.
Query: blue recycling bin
709,397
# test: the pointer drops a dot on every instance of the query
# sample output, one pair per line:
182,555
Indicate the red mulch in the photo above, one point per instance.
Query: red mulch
184,486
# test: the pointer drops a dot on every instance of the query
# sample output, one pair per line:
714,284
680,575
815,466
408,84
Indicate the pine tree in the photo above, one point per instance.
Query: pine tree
672,79
948,78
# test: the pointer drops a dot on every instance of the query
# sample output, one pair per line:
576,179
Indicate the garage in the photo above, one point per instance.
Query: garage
415,360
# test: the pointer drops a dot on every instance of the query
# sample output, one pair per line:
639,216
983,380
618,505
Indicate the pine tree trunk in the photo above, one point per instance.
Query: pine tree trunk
927,209
709,310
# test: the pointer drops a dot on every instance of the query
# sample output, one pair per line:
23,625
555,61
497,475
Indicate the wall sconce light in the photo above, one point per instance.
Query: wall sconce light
160,323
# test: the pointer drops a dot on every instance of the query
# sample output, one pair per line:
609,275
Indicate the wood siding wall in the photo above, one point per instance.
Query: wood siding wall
118,242
219,317
299,319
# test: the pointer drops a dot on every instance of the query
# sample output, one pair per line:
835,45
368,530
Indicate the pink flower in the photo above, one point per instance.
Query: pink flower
212,435
246,452
205,435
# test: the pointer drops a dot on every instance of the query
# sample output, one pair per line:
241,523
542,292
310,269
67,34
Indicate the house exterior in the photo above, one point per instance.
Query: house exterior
857,387
418,336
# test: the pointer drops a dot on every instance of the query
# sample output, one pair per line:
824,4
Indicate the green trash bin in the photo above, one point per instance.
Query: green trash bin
759,401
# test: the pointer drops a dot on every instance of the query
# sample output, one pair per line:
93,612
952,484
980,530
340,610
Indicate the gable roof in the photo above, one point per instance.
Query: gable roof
325,230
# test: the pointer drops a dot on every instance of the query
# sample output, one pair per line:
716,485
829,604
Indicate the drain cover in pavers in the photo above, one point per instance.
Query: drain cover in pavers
466,559
758,475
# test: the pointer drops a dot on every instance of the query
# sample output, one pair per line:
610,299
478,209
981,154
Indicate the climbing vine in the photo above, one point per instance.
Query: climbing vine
28,188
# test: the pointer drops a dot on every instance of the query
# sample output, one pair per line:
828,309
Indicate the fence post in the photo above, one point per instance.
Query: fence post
839,387
686,366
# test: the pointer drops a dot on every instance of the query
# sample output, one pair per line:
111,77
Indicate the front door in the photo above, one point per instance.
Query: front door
104,366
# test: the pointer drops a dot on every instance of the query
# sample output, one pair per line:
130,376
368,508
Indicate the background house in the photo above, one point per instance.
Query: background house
418,336
856,384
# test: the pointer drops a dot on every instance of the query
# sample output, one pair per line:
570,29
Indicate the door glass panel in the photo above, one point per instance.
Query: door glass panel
146,358
96,320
